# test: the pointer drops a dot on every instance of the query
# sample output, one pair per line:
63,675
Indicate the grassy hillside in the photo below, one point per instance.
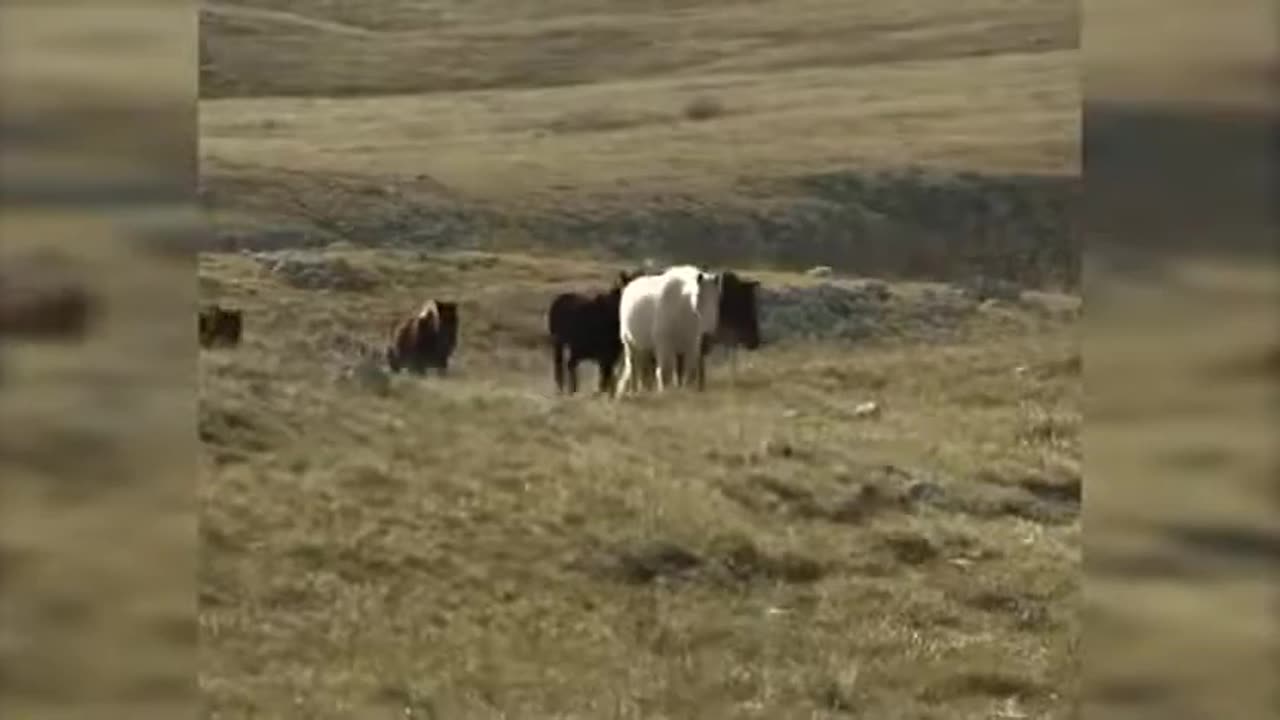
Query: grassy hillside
475,546
918,140
310,48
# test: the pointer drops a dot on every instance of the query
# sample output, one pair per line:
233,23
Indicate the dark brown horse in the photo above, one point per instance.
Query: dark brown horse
425,340
739,318
219,325
585,327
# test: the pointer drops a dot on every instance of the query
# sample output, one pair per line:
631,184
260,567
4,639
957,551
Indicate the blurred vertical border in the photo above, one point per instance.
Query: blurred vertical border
1182,356
98,534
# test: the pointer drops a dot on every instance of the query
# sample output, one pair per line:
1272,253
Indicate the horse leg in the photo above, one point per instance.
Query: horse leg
573,372
635,378
557,357
606,372
684,368
667,371
624,379
649,371
665,357
702,363
689,364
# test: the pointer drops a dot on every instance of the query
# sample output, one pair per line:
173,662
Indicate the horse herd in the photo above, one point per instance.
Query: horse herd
659,326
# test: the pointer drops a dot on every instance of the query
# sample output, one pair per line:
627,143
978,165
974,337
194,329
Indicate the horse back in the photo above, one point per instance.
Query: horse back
561,315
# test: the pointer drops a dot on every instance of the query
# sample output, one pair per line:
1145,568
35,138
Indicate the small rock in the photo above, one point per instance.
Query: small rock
819,271
924,491
869,409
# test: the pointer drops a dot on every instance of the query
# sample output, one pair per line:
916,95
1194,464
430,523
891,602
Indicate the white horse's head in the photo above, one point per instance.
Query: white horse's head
707,299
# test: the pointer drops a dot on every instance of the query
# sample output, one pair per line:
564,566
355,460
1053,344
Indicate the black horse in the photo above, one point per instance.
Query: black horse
739,319
587,327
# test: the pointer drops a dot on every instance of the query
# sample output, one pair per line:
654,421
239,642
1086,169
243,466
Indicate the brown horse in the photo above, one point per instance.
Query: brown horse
739,323
219,325
424,340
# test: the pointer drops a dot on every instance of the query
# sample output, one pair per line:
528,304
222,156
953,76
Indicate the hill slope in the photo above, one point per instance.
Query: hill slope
744,132
474,545
300,47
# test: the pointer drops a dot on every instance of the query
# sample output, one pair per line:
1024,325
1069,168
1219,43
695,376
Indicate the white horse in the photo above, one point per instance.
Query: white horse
663,317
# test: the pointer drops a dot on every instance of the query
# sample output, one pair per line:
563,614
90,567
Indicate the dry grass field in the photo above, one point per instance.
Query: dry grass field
777,133
475,546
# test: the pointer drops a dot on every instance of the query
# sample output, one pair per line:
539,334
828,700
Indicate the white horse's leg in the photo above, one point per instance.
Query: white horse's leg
666,370
694,363
641,374
659,366
624,378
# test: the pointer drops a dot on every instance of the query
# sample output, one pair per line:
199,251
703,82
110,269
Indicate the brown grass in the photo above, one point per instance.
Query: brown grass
285,47
748,551
567,103
995,114
758,133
